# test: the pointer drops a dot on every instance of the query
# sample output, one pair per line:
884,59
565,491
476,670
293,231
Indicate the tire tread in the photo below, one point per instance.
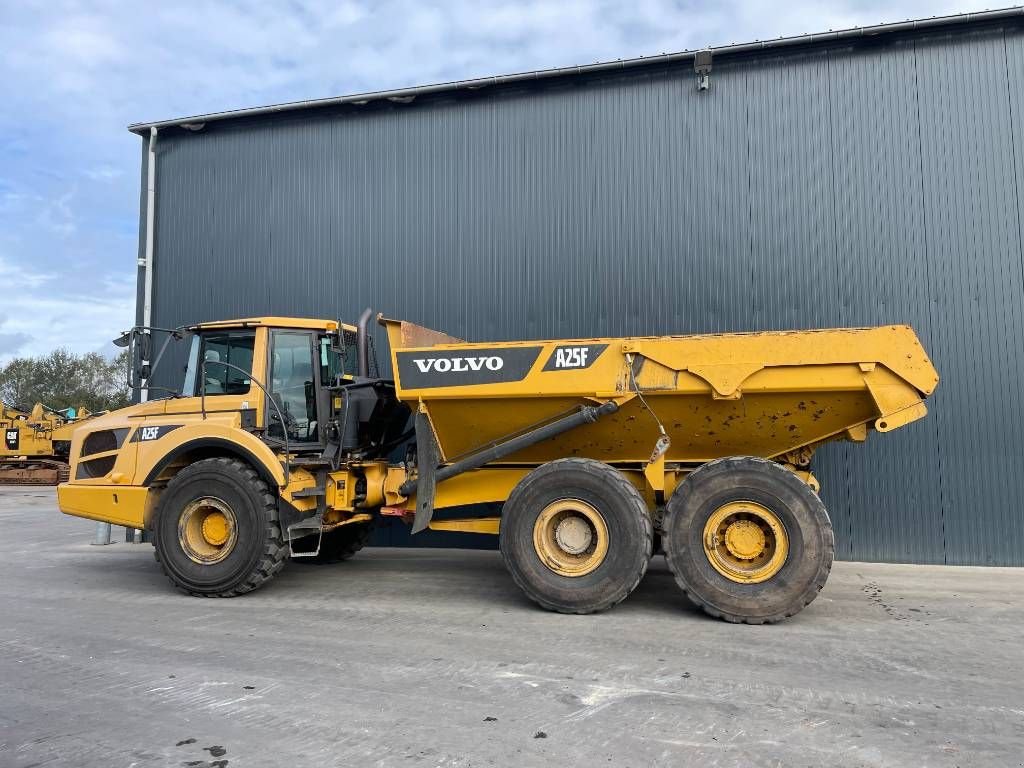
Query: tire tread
597,470
275,549
808,595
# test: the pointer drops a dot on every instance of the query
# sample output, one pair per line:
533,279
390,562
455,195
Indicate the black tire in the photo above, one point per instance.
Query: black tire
259,551
624,513
797,507
340,544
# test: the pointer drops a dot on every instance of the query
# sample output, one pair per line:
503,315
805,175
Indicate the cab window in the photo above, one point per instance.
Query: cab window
331,362
227,367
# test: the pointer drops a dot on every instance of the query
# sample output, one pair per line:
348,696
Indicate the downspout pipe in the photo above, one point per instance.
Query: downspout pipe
131,535
147,305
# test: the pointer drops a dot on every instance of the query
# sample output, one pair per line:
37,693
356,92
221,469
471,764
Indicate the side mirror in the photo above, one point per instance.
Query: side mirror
139,344
145,343
127,340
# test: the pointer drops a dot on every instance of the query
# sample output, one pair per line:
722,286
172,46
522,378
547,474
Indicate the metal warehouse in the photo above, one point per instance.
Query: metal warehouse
863,177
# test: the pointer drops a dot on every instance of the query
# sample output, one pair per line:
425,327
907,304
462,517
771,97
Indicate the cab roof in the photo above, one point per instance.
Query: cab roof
305,323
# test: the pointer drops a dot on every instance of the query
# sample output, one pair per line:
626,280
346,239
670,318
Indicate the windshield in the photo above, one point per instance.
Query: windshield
219,363
158,358
191,367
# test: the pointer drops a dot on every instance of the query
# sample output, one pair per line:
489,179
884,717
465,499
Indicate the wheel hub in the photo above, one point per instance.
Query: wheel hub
207,530
216,528
573,535
744,539
746,542
570,537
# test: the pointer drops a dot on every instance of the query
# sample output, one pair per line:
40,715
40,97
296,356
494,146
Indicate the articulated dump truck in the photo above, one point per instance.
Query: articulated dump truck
36,444
284,443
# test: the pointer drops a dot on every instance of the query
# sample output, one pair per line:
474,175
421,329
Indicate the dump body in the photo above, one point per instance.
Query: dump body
771,394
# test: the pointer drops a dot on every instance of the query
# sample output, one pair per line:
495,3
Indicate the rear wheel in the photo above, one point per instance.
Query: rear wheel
217,532
576,536
747,540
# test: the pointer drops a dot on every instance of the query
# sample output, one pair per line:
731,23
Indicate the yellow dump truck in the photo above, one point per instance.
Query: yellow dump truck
283,441
36,444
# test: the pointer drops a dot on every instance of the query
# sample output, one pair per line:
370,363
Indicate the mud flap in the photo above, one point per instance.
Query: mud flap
426,483
299,526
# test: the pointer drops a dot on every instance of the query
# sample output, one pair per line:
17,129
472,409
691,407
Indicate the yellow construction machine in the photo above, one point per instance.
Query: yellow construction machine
283,441
36,444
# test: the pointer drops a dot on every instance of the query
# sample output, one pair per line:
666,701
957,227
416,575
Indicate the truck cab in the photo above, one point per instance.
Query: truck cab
290,398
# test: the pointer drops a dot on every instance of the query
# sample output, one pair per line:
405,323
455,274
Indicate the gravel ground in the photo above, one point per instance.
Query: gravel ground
432,657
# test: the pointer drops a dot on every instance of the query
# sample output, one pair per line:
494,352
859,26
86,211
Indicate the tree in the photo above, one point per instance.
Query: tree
63,379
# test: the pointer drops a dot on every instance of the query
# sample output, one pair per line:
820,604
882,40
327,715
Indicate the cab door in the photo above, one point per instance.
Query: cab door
294,375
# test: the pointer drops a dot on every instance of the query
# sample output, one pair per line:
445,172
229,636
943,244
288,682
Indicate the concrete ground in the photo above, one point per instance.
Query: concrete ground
433,658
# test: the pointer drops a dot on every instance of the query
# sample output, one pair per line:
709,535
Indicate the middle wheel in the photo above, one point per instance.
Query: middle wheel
576,536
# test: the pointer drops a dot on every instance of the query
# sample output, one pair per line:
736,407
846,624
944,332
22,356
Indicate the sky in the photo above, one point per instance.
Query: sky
73,75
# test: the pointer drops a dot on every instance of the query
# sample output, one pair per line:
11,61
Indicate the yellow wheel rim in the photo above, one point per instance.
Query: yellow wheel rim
745,542
207,530
570,537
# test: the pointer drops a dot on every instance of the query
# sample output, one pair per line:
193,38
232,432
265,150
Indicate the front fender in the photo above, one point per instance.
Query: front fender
209,436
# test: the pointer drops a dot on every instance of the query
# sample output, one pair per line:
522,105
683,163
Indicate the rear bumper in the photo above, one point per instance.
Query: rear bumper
121,505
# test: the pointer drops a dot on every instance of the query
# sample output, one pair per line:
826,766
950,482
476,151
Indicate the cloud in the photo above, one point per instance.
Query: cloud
104,173
82,322
76,74
12,343
43,311
17,277
58,215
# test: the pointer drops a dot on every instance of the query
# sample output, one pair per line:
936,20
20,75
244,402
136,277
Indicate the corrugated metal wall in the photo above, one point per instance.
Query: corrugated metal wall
857,185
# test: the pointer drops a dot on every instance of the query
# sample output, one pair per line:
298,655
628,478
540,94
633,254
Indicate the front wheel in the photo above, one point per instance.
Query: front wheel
747,540
576,536
217,532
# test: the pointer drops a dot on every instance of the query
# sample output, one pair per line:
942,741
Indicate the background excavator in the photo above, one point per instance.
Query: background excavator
35,445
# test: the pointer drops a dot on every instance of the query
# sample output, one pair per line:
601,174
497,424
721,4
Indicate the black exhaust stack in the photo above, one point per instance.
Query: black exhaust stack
363,343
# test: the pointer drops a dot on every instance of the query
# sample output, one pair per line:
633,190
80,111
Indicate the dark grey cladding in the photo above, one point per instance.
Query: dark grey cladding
845,183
